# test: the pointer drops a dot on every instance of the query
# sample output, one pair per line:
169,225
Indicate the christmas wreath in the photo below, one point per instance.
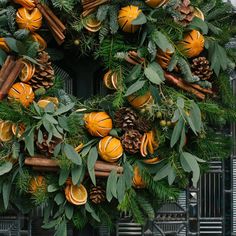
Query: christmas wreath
169,98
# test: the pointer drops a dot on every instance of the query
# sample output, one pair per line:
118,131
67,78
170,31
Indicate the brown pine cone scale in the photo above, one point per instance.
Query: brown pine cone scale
131,141
97,194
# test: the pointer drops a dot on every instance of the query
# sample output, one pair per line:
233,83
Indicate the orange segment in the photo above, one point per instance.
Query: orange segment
27,71
78,194
5,131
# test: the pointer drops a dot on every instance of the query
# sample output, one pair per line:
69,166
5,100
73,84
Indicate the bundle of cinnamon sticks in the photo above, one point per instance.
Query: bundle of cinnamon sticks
194,89
54,24
102,169
90,6
8,74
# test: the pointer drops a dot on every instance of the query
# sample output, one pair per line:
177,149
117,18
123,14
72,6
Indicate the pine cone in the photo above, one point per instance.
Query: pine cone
131,141
125,118
143,125
201,68
44,73
185,12
97,194
47,148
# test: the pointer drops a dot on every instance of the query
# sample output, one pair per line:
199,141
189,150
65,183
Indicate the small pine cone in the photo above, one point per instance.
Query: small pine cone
185,12
125,118
143,125
201,68
47,148
44,73
97,194
131,141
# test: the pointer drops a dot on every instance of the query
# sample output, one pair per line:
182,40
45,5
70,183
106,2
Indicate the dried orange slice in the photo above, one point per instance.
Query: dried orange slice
198,13
152,161
42,43
18,129
78,194
27,71
5,131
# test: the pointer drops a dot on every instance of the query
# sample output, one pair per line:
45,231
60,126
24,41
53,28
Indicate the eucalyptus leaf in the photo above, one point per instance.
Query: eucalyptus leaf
135,87
6,194
195,115
69,210
76,173
111,185
92,158
162,42
72,154
140,20
59,198
5,168
171,176
63,109
177,132
52,188
64,174
163,172
134,73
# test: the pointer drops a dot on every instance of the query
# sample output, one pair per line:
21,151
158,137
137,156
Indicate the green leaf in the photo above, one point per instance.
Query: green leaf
13,44
3,57
92,212
64,173
163,172
29,141
121,188
69,210
162,42
171,176
59,198
50,224
195,115
57,150
180,103
193,165
198,24
63,109
62,229
76,173
72,154
134,73
111,186
135,87
173,62
52,188
6,193
140,20
50,108
92,158
5,168
190,122
182,140
176,116
154,73
177,132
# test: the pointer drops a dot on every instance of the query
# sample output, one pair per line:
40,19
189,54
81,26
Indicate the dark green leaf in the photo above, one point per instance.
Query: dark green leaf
92,158
59,198
57,150
111,186
69,210
195,115
121,188
162,42
29,141
135,87
162,173
72,154
198,24
134,74
177,132
52,188
63,109
5,168
6,193
140,20
3,57
76,173
64,173
171,176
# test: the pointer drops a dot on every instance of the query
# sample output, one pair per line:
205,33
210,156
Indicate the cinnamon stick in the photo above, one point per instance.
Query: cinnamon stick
54,23
44,168
14,73
39,161
107,167
101,174
178,82
5,69
201,89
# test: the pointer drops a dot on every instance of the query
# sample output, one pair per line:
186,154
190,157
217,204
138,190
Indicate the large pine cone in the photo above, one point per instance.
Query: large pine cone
201,68
131,141
184,12
125,118
47,148
44,74
97,194
143,125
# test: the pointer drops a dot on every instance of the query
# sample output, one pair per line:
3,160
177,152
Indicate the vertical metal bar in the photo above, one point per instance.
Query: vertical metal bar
205,194
209,197
214,187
